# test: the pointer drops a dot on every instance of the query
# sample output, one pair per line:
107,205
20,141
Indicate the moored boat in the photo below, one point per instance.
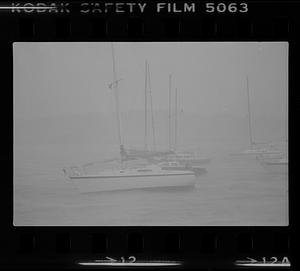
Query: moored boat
128,179
187,158
177,166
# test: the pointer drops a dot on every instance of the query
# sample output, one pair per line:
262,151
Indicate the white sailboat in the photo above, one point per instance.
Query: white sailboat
254,150
135,178
125,178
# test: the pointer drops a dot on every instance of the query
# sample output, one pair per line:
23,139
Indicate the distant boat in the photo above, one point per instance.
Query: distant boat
275,164
256,152
255,148
136,178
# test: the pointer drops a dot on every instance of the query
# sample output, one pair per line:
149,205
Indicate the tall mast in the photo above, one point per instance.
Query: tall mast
175,144
249,114
146,118
116,93
151,107
170,88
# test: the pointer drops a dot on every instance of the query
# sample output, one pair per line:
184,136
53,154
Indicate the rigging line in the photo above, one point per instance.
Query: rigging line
116,94
151,107
175,144
170,87
249,115
146,117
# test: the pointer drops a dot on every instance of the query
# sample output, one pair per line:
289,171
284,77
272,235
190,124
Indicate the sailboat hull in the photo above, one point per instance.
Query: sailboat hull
87,184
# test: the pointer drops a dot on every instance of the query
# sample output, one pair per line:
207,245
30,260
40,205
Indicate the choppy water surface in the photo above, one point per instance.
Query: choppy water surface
235,191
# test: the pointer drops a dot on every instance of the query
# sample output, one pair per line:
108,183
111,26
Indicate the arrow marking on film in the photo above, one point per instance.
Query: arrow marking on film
111,259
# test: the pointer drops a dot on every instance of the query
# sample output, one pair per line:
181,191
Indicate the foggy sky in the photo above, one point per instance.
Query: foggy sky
72,79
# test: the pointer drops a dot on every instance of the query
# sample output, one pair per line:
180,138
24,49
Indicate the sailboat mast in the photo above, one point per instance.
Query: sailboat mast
151,105
116,93
249,114
175,120
146,117
170,87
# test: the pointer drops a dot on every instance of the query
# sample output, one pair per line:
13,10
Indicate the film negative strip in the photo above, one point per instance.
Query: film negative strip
148,134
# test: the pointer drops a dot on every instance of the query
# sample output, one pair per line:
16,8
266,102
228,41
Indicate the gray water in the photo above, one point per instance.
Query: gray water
235,191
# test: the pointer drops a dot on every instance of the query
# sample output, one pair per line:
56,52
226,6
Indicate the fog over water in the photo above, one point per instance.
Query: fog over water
64,115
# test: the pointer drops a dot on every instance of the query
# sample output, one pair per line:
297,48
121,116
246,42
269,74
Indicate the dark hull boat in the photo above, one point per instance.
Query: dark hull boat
177,166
